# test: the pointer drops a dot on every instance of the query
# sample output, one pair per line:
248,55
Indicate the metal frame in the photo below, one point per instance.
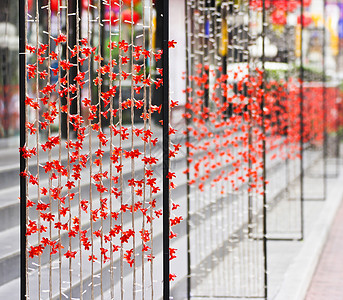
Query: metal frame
324,175
166,144
23,162
166,192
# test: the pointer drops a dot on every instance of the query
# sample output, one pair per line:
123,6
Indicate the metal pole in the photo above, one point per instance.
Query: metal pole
302,119
165,61
339,135
188,227
264,175
324,105
22,85
206,61
73,70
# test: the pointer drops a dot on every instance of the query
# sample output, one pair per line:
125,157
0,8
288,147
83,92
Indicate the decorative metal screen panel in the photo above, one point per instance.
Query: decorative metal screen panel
283,90
96,180
315,118
225,140
110,166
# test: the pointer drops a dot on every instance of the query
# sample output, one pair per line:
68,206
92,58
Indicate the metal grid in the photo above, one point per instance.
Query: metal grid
95,201
225,139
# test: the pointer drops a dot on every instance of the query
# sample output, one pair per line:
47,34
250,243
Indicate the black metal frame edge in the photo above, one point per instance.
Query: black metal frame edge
188,226
22,90
285,239
264,156
229,297
325,142
165,108
302,171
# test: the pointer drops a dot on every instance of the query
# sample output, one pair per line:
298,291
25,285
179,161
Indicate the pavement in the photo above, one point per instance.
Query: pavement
313,268
327,279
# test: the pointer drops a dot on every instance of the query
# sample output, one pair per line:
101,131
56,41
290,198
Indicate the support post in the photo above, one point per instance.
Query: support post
165,108
264,174
22,86
302,119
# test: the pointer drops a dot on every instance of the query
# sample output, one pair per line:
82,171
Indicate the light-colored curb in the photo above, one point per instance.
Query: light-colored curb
299,275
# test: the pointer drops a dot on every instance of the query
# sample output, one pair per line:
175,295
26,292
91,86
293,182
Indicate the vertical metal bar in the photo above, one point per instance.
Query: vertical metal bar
340,97
59,153
39,134
206,61
49,151
286,98
188,191
78,105
337,123
89,92
225,54
72,36
99,121
122,291
111,151
264,156
134,271
324,107
165,106
338,136
302,119
151,33
22,85
250,207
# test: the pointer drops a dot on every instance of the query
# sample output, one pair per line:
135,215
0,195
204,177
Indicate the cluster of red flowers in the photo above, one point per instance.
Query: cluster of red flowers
233,122
226,136
278,9
66,174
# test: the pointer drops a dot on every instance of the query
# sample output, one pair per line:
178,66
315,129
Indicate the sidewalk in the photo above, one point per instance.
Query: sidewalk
327,280
315,272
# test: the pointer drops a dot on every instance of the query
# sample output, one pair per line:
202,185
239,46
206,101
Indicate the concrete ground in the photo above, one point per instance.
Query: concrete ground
312,269
327,279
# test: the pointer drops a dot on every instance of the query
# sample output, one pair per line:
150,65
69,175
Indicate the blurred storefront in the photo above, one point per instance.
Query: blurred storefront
9,89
